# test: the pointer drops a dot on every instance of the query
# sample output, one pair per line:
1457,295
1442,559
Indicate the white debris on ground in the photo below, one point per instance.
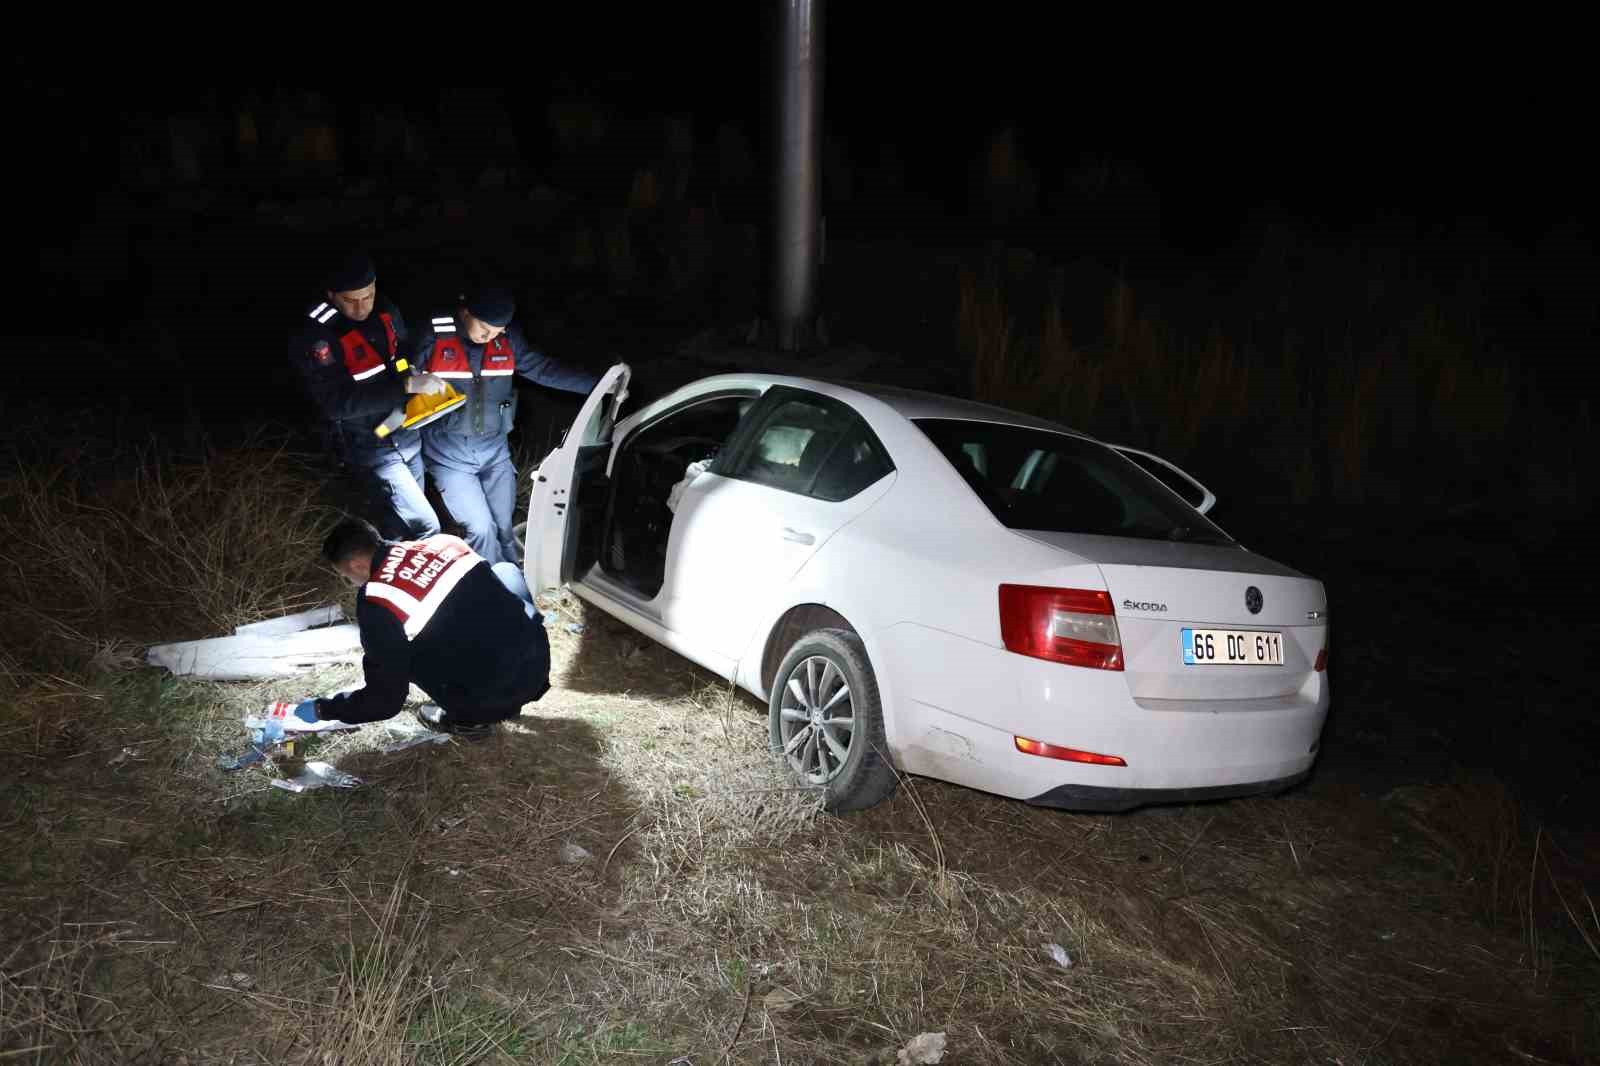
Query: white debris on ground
277,647
404,731
1059,953
572,854
317,775
923,1048
275,733
327,614
413,741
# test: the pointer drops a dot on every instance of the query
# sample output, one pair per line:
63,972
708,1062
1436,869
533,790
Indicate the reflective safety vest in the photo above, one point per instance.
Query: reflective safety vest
449,357
361,360
415,576
491,396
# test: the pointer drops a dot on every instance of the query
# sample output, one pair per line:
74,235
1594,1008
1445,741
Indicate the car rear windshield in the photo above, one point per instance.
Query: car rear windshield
1034,479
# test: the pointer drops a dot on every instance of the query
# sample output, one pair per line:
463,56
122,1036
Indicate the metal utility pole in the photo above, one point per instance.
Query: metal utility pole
798,180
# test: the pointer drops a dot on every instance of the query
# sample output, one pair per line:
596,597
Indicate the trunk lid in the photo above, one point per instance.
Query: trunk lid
1159,588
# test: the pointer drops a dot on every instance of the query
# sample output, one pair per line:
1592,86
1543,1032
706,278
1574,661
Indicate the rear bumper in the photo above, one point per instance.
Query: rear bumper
959,706
1103,799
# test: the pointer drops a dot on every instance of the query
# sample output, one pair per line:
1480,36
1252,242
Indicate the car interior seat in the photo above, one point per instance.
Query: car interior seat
816,452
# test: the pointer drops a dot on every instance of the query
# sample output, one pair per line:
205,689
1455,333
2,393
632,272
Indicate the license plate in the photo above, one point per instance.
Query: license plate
1232,647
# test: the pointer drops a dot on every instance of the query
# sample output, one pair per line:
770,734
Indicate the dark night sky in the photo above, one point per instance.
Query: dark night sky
1469,151
1334,130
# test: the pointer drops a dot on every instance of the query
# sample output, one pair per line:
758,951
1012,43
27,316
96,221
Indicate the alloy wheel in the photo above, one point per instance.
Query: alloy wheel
817,719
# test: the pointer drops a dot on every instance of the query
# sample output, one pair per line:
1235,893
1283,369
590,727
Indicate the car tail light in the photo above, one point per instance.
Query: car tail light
1055,751
1322,660
1073,626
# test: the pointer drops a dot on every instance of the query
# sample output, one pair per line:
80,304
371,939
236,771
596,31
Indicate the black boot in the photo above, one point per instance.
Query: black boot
436,718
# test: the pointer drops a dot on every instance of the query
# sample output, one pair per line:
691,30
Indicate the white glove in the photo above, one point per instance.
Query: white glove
431,384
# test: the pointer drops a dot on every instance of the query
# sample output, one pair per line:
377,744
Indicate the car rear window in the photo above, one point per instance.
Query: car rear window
1034,479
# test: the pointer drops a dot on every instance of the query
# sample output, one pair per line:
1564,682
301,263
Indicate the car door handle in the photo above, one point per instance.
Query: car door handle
797,536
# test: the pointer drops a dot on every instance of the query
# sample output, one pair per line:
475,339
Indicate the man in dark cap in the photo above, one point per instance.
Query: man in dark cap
478,349
435,614
347,353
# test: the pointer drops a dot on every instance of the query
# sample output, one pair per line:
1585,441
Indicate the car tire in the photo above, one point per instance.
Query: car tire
851,764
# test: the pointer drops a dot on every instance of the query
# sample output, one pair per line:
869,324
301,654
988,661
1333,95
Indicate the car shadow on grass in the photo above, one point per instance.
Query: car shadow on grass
608,658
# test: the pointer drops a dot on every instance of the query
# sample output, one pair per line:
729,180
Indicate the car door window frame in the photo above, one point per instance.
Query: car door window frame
734,458
747,393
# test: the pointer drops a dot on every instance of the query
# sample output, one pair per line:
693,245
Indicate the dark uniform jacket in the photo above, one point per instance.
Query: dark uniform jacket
351,371
435,614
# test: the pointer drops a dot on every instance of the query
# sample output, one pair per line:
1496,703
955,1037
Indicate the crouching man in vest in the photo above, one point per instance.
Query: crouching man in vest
435,613
479,350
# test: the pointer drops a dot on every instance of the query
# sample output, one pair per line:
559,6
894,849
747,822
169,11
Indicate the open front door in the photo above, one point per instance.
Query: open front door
548,559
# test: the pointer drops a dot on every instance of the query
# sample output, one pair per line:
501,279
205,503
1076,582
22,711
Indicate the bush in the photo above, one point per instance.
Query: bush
119,549
1387,403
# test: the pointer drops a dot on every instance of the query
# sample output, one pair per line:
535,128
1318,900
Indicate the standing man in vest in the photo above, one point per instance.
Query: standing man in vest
347,353
434,613
478,350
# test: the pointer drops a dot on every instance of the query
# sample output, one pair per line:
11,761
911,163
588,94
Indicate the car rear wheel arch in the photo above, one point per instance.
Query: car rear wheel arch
795,623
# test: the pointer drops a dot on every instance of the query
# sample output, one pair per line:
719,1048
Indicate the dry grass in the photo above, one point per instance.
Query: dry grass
378,990
1196,934
435,915
134,548
625,875
1516,878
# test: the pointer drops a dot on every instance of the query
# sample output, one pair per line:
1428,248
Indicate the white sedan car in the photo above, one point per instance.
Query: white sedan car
939,587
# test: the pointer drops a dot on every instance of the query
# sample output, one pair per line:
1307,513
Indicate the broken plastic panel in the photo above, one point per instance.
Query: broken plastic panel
277,647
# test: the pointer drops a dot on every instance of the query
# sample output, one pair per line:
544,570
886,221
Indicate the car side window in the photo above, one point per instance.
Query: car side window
789,446
856,462
812,446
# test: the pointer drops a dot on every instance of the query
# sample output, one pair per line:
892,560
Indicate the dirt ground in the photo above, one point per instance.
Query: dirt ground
625,876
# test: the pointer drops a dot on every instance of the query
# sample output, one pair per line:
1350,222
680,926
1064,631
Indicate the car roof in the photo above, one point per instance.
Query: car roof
907,403
914,403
